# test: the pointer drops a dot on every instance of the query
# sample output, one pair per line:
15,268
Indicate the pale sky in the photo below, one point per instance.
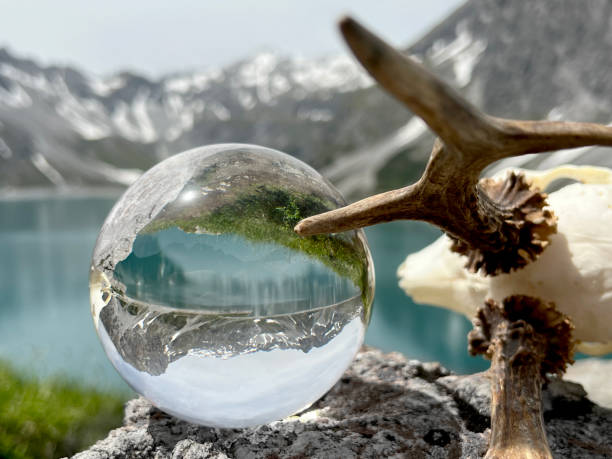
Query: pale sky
155,37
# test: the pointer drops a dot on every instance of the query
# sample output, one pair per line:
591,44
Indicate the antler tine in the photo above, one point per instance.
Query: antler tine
456,121
445,196
500,226
418,201
521,137
384,207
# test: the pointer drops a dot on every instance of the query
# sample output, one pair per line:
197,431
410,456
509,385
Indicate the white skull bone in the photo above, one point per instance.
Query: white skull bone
575,270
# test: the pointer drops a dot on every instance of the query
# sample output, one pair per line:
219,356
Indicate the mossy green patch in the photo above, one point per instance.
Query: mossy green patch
52,418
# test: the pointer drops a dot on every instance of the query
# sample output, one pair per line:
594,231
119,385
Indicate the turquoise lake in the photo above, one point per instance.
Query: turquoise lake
45,321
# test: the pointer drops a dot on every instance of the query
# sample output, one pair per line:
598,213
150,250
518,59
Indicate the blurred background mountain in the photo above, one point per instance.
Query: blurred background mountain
60,127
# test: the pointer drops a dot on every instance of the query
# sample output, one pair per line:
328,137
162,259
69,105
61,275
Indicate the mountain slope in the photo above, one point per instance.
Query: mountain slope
524,60
59,126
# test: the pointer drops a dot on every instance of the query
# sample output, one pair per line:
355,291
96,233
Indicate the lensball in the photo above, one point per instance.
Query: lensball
206,301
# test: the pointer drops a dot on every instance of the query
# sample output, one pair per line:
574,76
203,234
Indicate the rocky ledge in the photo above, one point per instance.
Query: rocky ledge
384,406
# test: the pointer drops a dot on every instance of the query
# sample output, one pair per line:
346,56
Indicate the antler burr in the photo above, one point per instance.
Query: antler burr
526,340
500,226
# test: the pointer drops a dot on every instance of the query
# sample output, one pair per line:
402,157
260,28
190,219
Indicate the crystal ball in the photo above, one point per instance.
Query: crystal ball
210,305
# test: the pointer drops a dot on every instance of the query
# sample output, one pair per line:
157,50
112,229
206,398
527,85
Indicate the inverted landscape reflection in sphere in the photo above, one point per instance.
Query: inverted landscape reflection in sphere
206,301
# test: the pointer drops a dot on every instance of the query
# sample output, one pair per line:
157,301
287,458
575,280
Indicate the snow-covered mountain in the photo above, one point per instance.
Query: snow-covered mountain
537,59
59,126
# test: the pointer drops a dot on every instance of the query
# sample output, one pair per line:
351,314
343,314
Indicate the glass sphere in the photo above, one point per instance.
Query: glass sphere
210,305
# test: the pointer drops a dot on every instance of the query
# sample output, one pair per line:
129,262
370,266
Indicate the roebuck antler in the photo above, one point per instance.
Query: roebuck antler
500,225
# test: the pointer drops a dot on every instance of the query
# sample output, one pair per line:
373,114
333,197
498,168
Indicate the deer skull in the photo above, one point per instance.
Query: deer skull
503,226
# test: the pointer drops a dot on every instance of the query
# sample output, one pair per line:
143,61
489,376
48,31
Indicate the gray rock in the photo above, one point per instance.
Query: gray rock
384,406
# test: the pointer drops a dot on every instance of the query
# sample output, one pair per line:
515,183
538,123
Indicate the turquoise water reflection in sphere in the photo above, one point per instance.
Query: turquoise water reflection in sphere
208,303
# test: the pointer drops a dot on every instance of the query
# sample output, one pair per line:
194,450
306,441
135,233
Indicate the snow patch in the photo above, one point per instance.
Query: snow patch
5,151
15,97
466,62
173,104
86,116
122,121
148,133
183,123
220,111
246,99
181,85
555,114
271,79
181,115
337,73
133,122
186,120
463,52
37,82
279,85
196,82
115,174
50,172
408,133
315,114
257,71
106,87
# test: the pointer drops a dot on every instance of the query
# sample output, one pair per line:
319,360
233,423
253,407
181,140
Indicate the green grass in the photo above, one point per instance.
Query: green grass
51,418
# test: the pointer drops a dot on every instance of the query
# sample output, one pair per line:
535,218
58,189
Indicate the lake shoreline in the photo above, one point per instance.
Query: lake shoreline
70,192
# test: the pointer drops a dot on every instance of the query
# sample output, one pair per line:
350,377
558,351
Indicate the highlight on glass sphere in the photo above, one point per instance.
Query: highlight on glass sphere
206,301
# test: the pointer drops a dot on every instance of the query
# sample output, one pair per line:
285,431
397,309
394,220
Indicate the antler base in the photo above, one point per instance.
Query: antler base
525,339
